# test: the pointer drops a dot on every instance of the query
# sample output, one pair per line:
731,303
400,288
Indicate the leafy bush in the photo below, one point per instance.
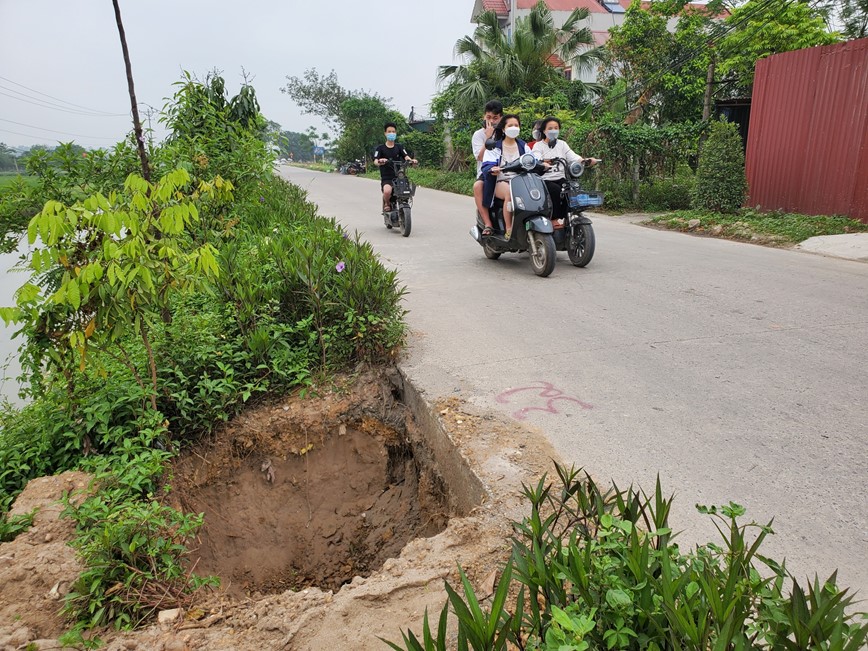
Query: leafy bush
594,569
427,148
667,194
721,184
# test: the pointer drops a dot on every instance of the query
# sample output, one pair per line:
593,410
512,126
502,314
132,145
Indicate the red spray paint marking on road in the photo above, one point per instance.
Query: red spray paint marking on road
547,390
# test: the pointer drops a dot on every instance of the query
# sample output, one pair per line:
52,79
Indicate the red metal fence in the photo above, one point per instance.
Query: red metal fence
807,149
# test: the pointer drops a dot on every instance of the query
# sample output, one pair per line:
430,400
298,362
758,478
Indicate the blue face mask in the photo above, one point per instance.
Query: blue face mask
391,137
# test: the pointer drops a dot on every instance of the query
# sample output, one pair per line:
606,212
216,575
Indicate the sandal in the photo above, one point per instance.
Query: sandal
507,234
487,231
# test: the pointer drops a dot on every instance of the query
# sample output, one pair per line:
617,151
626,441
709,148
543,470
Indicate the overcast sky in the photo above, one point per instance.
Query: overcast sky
69,50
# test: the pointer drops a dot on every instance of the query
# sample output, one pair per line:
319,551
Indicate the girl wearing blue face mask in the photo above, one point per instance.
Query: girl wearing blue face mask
391,150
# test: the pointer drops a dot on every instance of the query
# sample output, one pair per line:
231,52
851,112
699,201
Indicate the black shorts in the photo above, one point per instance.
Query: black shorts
385,182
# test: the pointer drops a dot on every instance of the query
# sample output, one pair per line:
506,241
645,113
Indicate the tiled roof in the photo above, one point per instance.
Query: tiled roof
499,7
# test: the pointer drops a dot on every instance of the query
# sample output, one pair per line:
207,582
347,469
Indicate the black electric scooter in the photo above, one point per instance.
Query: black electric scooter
531,224
575,233
401,201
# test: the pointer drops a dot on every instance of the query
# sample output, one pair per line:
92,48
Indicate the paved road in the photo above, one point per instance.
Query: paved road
736,372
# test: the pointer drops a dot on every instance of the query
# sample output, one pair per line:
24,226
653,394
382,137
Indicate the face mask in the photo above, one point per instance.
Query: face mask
537,135
391,137
553,134
512,132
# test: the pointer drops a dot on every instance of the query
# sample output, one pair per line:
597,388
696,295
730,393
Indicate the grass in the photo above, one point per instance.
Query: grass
319,167
774,228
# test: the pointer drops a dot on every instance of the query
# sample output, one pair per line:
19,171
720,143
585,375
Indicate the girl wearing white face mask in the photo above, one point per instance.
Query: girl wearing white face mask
507,149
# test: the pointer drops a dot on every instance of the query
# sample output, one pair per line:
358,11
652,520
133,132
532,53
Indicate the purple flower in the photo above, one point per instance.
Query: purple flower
340,266
261,199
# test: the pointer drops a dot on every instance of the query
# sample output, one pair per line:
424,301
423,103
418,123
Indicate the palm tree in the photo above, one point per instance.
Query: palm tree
499,66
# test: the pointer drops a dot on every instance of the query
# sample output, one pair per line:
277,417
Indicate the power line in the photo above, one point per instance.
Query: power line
64,133
62,101
43,104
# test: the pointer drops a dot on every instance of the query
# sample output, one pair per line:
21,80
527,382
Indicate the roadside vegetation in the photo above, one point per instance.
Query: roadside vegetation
156,311
601,569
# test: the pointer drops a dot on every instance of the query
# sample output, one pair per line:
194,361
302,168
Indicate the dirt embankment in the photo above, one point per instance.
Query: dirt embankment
328,519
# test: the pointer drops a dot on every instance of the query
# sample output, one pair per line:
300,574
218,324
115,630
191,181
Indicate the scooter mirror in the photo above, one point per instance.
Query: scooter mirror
490,144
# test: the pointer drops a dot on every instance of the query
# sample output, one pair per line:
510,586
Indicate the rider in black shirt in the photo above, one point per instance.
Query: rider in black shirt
391,150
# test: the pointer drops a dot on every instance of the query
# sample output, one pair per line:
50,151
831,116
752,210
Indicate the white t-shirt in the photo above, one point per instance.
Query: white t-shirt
560,150
477,144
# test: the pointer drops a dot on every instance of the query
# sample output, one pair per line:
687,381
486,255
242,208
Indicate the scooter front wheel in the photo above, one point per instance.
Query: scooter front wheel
405,221
489,252
543,261
581,245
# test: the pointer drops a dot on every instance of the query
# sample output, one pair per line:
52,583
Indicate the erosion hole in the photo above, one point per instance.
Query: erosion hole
286,508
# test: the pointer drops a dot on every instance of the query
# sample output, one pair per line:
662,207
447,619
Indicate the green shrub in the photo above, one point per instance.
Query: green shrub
667,194
594,569
427,148
721,184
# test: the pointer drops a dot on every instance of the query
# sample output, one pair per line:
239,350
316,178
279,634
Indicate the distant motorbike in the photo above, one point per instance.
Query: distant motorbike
356,167
575,233
401,201
531,224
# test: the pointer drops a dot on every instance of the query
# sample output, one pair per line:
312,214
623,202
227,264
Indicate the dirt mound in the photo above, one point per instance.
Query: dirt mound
37,568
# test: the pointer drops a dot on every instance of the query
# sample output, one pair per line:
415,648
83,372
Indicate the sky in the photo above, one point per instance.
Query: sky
67,53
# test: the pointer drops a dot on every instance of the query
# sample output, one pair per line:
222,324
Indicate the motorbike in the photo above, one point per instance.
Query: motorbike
401,202
575,233
355,167
532,229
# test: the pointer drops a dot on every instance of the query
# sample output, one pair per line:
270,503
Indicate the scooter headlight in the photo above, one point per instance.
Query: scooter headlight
576,169
528,161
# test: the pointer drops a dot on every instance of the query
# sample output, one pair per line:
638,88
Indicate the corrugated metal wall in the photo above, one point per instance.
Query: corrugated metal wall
807,150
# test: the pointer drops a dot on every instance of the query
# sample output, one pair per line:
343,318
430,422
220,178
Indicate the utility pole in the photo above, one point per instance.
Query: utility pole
709,86
137,123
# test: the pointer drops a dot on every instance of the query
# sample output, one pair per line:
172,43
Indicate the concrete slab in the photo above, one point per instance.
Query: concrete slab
850,246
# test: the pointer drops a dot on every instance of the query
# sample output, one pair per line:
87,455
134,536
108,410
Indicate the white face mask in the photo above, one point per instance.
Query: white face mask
553,134
512,132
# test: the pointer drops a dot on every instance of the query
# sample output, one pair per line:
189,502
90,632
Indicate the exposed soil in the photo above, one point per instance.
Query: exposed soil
282,514
291,504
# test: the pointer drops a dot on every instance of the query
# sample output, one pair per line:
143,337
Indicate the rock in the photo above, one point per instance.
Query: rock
717,230
693,223
168,616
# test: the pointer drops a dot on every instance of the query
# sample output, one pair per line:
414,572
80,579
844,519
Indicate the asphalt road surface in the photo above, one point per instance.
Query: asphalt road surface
734,371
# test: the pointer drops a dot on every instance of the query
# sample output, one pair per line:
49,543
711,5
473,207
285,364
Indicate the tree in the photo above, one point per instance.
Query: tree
720,180
854,16
763,28
498,65
362,119
8,158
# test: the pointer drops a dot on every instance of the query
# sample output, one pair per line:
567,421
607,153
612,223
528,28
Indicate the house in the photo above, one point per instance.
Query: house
602,16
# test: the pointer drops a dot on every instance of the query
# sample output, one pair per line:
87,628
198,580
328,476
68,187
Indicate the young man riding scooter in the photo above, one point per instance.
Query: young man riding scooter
389,151
490,120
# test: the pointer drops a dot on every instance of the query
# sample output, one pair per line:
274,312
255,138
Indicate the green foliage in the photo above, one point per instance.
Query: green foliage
854,17
108,266
214,135
519,65
222,290
721,184
774,227
362,119
765,29
12,525
427,148
133,547
597,569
